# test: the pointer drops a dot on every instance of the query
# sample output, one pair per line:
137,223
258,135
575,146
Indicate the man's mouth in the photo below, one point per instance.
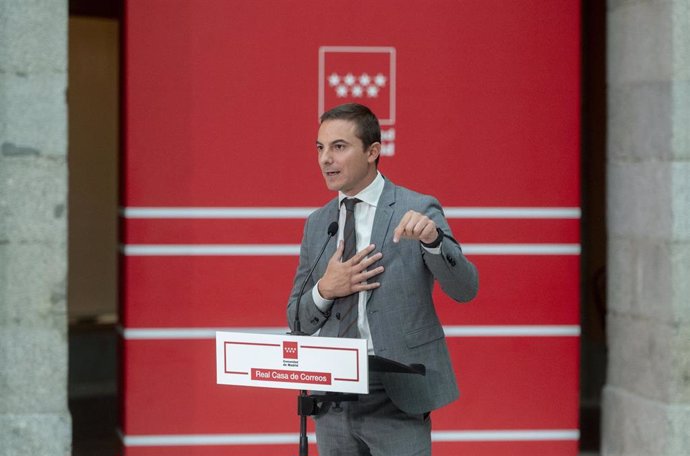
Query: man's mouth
331,173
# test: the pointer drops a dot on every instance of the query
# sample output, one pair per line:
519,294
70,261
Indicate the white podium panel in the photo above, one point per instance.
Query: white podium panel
292,362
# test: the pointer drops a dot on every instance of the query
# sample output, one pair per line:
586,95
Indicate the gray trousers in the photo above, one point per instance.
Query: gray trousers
372,426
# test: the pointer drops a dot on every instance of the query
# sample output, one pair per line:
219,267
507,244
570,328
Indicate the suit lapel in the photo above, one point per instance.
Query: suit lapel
384,212
331,215
382,219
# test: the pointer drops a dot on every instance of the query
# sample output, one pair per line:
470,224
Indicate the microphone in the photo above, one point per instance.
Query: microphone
297,331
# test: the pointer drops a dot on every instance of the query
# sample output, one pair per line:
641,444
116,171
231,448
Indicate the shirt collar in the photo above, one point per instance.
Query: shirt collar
370,194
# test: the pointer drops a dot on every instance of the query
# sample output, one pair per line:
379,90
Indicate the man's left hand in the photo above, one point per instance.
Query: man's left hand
417,226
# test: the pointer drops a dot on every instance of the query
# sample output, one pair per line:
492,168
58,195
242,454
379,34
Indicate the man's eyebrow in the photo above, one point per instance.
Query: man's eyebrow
335,141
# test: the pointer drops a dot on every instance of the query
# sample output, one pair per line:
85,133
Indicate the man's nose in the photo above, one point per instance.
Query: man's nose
325,157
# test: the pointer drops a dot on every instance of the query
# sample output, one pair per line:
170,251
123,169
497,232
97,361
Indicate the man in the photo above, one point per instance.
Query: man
382,293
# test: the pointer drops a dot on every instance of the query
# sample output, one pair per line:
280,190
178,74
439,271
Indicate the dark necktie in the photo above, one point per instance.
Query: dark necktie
346,307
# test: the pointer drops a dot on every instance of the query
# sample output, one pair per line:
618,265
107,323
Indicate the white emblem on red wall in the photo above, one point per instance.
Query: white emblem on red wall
360,74
357,86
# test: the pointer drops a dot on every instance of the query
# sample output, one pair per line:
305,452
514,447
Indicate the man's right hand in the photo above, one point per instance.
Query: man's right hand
343,278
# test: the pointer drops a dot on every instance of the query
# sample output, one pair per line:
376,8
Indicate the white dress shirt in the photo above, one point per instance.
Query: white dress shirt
364,223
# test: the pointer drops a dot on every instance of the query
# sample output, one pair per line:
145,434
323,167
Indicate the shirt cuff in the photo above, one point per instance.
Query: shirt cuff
433,250
323,304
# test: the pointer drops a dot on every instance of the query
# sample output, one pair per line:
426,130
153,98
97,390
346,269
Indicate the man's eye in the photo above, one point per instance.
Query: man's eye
339,146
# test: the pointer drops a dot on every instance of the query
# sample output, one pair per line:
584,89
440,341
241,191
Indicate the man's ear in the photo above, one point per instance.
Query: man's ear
374,152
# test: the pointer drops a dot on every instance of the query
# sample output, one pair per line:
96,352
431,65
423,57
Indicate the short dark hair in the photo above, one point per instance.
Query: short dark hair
368,128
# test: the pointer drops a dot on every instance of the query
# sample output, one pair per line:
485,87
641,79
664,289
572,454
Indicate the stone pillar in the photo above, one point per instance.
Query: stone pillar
34,419
647,396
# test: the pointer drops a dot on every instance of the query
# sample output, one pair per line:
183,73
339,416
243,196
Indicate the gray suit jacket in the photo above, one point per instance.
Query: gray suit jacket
402,318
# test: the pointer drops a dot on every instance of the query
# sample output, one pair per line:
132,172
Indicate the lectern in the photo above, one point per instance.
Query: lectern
338,368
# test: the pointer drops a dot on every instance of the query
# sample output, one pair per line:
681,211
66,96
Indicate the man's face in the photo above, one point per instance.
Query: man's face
345,164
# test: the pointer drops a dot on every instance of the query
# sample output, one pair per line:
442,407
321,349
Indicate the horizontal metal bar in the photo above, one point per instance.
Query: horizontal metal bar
513,331
293,249
211,249
293,438
303,212
450,331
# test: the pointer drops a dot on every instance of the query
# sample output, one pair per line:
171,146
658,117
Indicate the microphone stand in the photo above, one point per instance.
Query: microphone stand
305,406
297,325
303,437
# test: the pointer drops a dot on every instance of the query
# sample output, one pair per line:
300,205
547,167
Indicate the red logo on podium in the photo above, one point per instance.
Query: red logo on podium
289,350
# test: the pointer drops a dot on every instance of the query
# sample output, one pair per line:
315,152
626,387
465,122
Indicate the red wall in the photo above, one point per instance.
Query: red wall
221,105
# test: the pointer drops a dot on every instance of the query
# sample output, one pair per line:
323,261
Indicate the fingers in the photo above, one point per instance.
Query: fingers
343,278
368,261
414,225
362,254
360,263
360,272
364,276
364,286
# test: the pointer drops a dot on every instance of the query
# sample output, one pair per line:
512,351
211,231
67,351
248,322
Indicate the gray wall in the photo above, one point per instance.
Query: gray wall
647,396
34,419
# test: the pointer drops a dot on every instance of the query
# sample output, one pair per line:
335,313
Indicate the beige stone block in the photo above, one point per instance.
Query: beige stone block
680,141
648,279
33,285
612,5
640,46
681,40
639,200
630,425
33,114
680,268
34,379
36,434
635,426
621,275
649,358
639,124
33,199
680,200
33,36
